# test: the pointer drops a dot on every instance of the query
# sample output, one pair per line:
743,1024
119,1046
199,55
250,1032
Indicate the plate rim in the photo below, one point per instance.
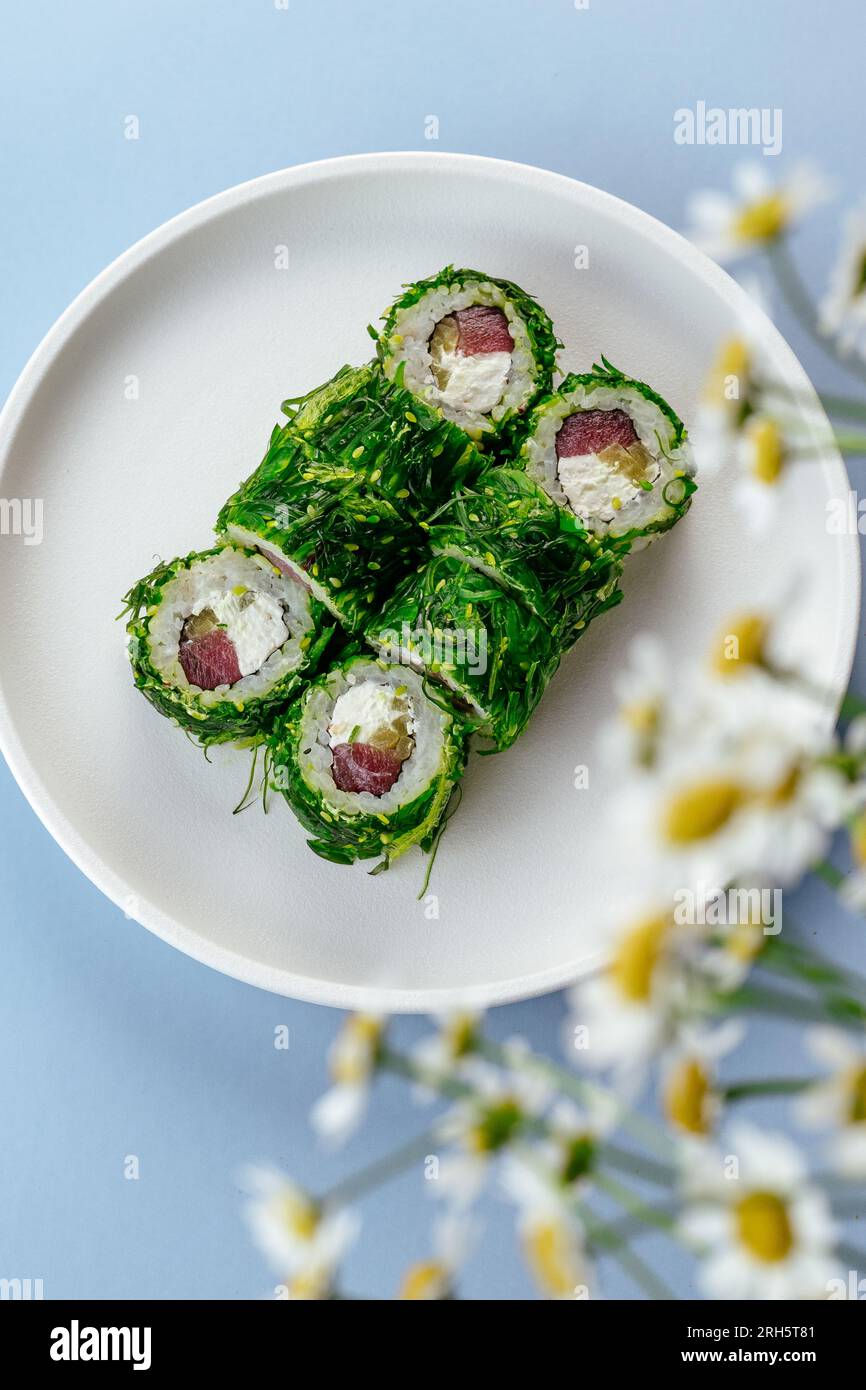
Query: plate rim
277,980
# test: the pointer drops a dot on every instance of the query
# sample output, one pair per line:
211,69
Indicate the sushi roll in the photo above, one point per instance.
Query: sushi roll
477,349
474,639
612,452
367,761
507,527
222,639
361,428
343,541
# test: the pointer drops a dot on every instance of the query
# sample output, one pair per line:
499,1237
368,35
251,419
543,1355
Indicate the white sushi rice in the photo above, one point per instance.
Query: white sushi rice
466,400
216,582
315,757
587,484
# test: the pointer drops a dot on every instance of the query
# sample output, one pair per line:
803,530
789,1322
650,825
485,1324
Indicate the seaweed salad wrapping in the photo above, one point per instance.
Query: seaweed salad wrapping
477,349
438,527
507,527
473,639
220,640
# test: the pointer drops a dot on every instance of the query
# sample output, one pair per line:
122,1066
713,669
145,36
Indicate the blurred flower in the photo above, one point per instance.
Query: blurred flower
434,1279
643,690
503,1104
738,791
442,1054
632,1008
551,1236
763,1232
843,309
302,1241
691,1097
839,1100
353,1059
757,213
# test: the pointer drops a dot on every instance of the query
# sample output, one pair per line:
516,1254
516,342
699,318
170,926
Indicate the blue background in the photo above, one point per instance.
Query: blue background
112,1043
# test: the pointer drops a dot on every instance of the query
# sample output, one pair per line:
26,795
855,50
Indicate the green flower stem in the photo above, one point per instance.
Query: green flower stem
791,958
850,443
791,284
843,405
583,1090
381,1170
604,1238
852,705
636,1165
759,999
635,1206
773,1086
829,873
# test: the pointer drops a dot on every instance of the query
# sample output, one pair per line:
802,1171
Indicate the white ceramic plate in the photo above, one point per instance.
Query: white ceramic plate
215,335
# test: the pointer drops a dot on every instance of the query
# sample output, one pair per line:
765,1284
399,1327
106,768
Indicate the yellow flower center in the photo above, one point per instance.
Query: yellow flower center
741,645
356,1049
309,1286
768,454
764,1226
745,941
550,1256
424,1281
642,716
701,810
637,956
857,1109
732,362
763,220
299,1216
460,1034
687,1097
858,839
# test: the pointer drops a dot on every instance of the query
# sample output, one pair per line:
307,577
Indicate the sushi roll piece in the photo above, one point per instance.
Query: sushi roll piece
613,453
477,349
508,528
361,428
344,542
222,639
490,656
367,761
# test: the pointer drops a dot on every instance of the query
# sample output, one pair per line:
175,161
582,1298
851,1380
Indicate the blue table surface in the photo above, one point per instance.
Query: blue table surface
112,1043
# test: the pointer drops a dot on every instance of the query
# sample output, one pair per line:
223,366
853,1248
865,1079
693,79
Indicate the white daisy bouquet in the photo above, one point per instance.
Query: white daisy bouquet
732,793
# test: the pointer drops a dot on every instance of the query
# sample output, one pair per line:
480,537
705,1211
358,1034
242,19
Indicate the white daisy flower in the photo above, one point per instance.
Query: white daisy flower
762,1231
758,211
644,690
353,1059
839,1101
690,1094
736,793
635,1005
842,312
301,1240
442,1055
480,1127
434,1279
551,1236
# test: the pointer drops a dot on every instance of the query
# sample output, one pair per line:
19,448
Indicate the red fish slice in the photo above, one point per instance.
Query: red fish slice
482,328
359,767
590,431
210,660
